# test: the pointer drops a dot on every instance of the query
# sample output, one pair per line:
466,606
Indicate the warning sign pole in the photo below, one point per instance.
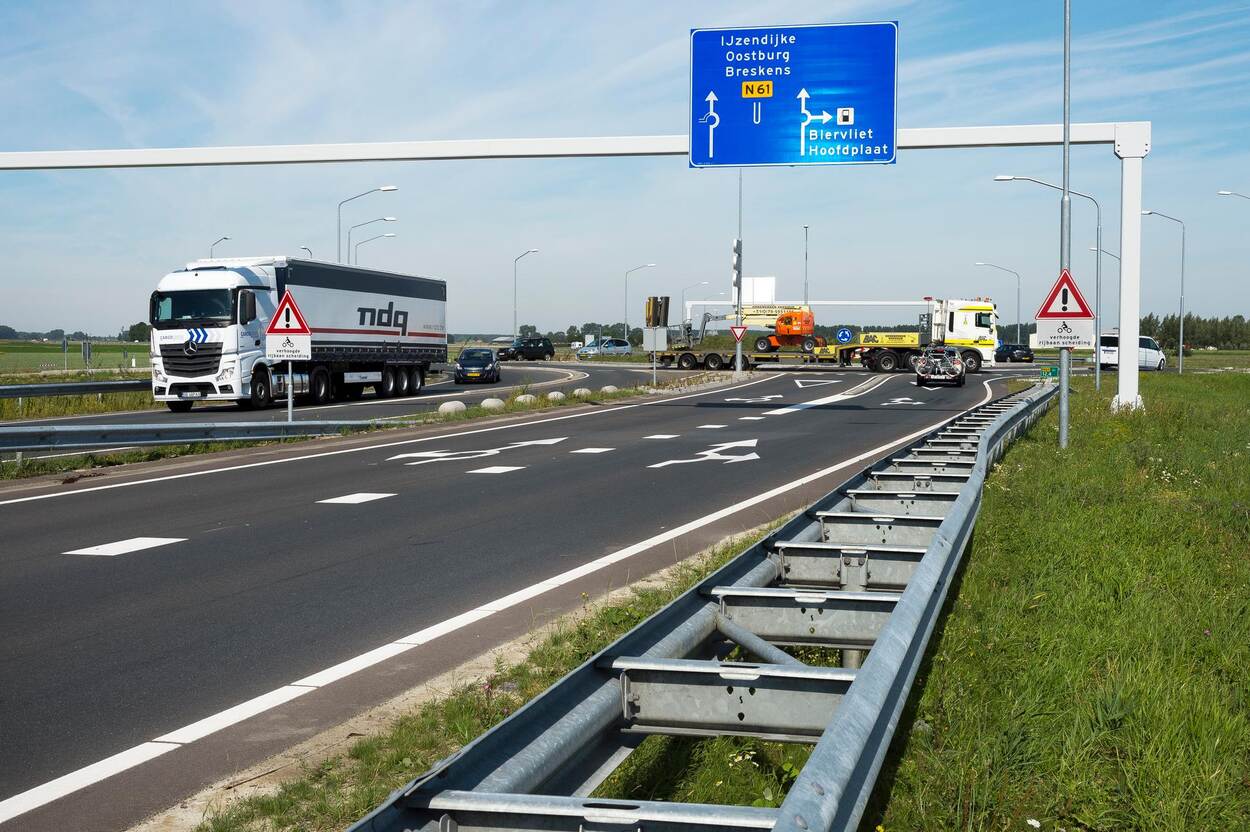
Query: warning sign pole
1065,218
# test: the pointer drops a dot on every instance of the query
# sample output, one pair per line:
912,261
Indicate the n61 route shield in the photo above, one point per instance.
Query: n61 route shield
793,95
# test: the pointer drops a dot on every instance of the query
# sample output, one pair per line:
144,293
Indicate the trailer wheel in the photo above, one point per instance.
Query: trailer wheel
887,362
972,361
687,361
809,344
386,387
713,361
262,393
319,385
416,381
401,382
763,344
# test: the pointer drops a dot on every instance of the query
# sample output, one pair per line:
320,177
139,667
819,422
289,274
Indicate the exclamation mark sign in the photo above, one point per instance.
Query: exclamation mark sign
288,309
1063,302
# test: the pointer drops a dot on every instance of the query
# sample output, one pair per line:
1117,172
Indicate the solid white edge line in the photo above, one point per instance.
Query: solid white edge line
83,777
45,793
230,716
436,437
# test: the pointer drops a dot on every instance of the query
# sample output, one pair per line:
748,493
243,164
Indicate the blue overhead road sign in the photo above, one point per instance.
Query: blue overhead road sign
793,95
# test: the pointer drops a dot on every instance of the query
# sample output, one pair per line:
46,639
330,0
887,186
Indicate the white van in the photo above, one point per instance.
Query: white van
1149,354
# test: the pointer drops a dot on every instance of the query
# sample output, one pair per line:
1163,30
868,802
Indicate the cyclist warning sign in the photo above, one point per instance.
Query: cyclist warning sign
1064,320
288,337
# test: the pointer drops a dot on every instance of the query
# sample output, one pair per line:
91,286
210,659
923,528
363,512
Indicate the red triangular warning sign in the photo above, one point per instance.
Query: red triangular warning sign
1065,301
288,320
738,332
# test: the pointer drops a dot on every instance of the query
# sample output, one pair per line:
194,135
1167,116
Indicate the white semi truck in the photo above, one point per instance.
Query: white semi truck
369,328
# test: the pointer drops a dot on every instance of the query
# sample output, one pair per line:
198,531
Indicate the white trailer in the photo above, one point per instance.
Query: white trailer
369,328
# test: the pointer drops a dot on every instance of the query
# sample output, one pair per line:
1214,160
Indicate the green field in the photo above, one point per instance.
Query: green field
33,357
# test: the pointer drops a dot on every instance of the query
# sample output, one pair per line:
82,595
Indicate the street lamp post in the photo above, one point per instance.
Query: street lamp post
1097,261
516,333
214,245
1180,348
805,265
683,295
307,249
1017,274
1232,193
356,252
339,236
362,225
627,273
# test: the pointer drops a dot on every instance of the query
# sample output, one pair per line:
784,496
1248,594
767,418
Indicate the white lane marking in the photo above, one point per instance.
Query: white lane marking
230,716
712,427
496,469
121,547
713,454
355,499
662,436
21,803
592,450
901,400
858,390
54,789
756,399
750,418
321,455
424,457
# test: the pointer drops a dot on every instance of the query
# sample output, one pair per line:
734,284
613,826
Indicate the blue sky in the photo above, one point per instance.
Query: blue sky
85,248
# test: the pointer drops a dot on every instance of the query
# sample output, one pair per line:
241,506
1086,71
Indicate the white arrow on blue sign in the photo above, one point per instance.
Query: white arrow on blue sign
794,95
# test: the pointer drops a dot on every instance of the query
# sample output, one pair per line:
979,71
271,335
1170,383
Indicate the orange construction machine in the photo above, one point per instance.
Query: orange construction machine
792,326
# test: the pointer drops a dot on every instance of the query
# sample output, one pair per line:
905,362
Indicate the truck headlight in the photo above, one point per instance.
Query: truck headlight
226,373
159,376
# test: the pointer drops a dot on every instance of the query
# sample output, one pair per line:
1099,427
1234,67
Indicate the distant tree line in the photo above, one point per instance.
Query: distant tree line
135,332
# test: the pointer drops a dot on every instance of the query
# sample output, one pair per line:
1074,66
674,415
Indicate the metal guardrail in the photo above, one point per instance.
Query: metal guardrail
865,571
44,437
72,388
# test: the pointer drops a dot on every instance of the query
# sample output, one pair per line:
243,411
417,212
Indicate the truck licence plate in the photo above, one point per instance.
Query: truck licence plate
191,394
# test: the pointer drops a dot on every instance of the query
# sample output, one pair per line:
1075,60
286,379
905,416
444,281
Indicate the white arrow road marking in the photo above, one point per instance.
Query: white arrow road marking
901,400
121,547
423,457
713,454
355,499
804,383
756,399
497,469
858,390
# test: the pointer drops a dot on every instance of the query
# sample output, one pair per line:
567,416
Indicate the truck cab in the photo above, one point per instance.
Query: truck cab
208,329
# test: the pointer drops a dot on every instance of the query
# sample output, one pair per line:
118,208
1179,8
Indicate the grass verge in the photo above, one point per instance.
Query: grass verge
1092,673
338,791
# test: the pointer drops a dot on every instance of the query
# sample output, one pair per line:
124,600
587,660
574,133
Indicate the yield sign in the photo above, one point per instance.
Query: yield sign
804,383
287,319
738,332
1065,301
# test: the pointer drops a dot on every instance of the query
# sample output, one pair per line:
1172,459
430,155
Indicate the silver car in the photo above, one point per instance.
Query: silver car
608,346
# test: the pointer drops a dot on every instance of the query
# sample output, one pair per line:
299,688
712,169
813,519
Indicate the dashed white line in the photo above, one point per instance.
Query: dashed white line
496,469
592,450
121,547
750,418
662,436
712,427
355,499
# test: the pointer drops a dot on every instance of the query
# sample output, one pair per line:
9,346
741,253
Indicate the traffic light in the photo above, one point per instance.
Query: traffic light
737,265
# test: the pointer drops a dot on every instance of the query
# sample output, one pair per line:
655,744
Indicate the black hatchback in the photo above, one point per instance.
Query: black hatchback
1007,353
529,349
476,364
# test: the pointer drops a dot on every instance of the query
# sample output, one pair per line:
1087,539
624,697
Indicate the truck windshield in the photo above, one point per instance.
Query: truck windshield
194,307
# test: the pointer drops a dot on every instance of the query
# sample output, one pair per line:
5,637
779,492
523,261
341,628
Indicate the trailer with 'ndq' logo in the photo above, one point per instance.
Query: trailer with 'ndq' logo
368,328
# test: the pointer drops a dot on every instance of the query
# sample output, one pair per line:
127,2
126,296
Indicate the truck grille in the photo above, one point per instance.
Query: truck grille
203,362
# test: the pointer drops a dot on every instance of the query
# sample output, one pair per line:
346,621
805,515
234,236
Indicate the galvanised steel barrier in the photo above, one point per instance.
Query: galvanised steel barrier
864,571
72,388
44,437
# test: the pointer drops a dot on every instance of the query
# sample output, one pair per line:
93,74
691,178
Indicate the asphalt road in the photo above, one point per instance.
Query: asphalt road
252,581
